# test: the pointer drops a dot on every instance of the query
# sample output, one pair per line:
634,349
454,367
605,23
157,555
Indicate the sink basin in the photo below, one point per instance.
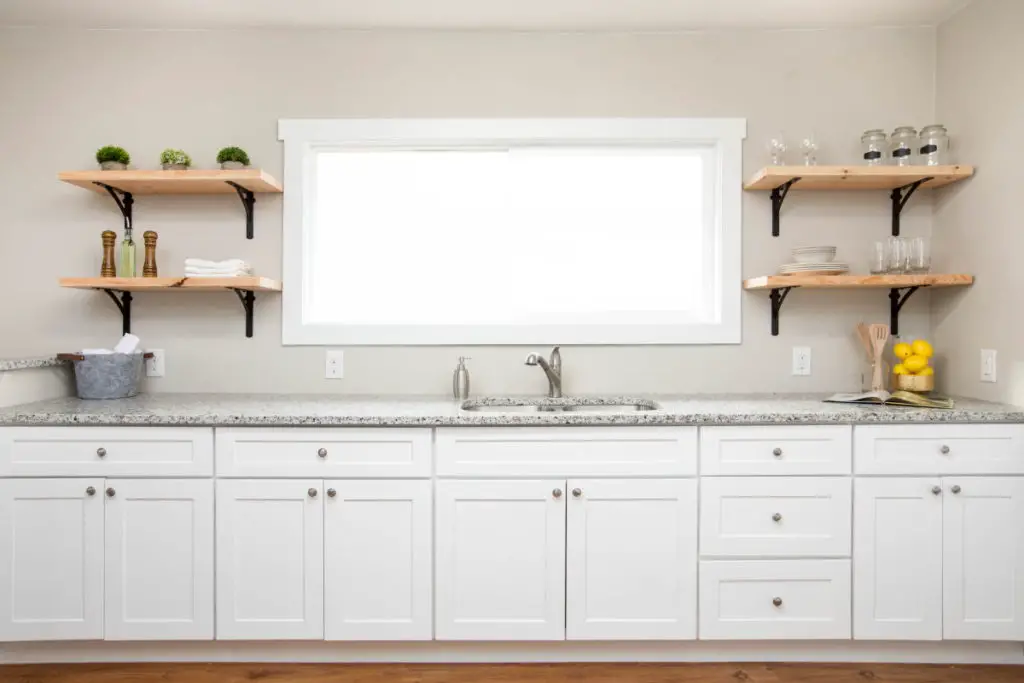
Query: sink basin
603,406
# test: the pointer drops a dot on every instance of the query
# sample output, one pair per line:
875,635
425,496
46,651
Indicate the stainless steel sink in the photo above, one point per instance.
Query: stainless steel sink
604,406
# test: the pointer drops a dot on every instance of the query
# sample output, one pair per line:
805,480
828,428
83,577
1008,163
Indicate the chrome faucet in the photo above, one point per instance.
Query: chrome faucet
552,368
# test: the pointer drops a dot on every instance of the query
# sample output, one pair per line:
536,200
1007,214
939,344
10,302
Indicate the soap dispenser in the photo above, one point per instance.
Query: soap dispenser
460,380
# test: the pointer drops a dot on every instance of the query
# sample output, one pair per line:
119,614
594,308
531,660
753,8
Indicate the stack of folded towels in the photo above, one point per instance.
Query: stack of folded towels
197,267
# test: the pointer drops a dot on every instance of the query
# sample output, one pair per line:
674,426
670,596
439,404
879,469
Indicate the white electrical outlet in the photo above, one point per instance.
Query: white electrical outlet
155,365
335,364
988,365
801,360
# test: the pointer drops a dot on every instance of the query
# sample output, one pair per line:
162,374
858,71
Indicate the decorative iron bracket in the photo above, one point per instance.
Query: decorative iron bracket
899,199
124,304
248,198
778,196
896,300
777,296
248,300
124,201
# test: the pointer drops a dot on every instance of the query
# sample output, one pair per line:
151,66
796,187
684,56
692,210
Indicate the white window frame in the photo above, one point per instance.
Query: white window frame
303,139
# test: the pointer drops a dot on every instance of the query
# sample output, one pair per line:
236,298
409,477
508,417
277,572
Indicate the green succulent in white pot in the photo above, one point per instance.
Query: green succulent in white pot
175,160
231,158
111,158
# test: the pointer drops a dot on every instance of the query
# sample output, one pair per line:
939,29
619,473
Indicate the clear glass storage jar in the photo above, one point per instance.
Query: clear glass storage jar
874,145
903,143
934,145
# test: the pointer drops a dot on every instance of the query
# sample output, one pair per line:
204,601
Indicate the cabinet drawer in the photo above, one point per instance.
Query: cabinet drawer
775,450
339,452
775,516
568,451
106,451
939,449
775,600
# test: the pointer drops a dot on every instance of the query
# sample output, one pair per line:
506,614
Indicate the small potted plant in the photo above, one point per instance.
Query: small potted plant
231,158
174,160
111,158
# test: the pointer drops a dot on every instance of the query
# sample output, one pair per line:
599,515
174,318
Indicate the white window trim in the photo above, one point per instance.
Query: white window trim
303,137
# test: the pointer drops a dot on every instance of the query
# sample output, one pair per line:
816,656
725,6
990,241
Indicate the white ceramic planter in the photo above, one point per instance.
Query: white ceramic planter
113,166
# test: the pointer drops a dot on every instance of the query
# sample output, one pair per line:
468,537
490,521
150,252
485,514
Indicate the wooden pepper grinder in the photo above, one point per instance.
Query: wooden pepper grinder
107,269
149,266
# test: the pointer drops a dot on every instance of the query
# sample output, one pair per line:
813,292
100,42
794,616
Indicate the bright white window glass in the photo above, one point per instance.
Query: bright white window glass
521,236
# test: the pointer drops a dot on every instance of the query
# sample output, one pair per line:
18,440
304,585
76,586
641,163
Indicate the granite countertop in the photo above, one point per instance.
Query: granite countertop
29,363
332,410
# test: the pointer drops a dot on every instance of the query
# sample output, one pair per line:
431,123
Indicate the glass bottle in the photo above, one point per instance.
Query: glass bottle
934,145
874,145
127,261
903,143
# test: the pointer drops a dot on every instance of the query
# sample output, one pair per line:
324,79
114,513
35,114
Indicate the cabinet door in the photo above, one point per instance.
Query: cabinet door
500,560
51,559
983,558
631,559
159,559
270,561
897,559
377,560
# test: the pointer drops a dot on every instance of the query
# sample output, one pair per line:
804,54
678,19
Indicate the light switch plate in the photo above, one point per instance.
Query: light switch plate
801,360
155,365
335,368
988,365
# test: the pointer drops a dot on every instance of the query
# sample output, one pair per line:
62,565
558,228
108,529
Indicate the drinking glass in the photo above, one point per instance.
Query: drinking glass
919,259
897,249
777,150
809,149
879,259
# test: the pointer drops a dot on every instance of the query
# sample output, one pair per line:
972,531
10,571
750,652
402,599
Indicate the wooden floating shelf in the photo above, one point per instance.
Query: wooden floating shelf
856,177
174,182
768,282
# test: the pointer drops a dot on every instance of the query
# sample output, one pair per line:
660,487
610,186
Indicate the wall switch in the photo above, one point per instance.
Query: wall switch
335,364
155,365
988,365
801,360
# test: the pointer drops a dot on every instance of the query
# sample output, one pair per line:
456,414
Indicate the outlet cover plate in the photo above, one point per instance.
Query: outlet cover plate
988,365
155,366
801,360
335,366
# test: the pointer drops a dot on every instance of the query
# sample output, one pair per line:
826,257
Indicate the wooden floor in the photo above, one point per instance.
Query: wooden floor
508,673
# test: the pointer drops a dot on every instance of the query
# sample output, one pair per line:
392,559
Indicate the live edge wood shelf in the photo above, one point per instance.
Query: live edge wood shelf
900,287
902,180
124,185
120,289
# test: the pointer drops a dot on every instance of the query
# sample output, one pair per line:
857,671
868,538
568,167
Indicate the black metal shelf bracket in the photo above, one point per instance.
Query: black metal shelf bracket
778,196
777,296
124,201
124,304
899,199
248,198
897,298
248,300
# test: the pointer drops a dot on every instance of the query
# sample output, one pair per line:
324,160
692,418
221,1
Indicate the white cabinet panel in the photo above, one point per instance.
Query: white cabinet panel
983,558
775,450
500,560
159,559
51,559
270,560
775,599
775,516
377,560
897,559
939,449
631,564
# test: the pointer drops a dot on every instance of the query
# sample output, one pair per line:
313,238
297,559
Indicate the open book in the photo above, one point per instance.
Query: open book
897,398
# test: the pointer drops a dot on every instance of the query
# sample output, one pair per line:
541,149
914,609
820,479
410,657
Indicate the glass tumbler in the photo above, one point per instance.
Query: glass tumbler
919,259
897,249
879,259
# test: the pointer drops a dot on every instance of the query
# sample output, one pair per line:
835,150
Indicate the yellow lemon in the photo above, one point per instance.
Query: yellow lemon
902,350
915,364
922,348
927,371
900,370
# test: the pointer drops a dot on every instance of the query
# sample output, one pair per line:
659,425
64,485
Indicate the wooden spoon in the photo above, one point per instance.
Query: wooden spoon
865,339
879,337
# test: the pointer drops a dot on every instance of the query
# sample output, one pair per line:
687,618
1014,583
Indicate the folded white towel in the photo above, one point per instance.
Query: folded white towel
214,273
229,264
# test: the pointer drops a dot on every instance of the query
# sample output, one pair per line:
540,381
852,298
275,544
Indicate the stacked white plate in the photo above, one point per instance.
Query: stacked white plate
814,260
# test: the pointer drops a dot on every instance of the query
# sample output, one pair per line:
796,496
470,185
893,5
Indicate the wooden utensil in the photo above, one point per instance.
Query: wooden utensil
865,339
879,337
107,268
149,267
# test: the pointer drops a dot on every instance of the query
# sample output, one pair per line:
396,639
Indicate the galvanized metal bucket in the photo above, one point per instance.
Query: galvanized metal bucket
107,375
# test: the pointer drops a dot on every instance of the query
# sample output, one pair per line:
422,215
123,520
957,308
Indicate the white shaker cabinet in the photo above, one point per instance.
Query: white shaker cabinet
377,560
51,559
159,559
270,565
631,565
500,560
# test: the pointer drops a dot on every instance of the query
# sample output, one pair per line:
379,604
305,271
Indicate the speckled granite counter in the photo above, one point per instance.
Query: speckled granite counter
29,363
317,410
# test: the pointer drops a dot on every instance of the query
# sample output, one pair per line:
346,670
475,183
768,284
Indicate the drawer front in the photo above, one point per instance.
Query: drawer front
775,600
939,449
566,451
775,516
775,450
106,451
337,453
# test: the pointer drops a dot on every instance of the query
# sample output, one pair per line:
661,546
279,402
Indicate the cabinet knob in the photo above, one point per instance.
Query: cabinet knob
777,452
312,493
944,450
110,493
322,452
557,493
936,490
576,493
90,491
776,517
101,452
956,488
330,492
777,602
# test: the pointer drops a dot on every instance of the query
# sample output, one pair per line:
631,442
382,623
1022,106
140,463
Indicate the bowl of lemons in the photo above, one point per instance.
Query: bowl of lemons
914,371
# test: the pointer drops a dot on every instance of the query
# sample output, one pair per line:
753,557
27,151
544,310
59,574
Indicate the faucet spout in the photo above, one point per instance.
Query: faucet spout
552,370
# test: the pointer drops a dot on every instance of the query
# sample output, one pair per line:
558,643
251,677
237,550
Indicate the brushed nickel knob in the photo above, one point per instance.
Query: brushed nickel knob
936,490
91,491
312,493
557,493
322,452
102,452
956,488
576,493
944,450
776,517
331,493
110,493
777,602
777,452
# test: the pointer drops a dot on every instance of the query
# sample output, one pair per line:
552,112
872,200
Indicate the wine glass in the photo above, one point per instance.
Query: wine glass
777,149
809,149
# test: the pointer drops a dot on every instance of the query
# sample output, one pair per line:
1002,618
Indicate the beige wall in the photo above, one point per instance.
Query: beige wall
65,93
978,224
35,384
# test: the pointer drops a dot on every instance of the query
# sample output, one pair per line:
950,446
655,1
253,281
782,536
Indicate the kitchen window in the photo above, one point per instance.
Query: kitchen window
518,231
